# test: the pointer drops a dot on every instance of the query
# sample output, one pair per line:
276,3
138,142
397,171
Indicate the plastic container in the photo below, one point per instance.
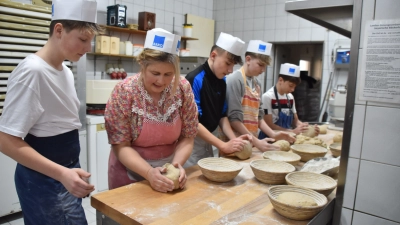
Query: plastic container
187,31
114,45
102,44
122,48
128,48
137,49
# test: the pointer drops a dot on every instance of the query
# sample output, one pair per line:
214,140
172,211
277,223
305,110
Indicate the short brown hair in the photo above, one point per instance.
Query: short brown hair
266,59
295,80
236,59
92,28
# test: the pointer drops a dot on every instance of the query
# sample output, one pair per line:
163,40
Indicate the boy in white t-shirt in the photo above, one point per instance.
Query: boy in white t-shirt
40,121
278,102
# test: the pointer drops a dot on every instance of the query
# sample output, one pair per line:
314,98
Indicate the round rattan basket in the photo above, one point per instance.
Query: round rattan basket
270,171
288,157
308,152
336,149
314,181
296,212
219,169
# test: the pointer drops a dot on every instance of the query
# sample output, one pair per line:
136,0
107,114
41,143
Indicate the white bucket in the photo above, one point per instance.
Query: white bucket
187,31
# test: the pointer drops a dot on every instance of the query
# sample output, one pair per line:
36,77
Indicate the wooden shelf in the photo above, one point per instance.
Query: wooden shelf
125,30
112,55
189,38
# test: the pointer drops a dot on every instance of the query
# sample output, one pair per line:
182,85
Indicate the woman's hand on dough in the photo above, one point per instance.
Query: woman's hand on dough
316,127
301,128
263,144
234,145
159,182
182,175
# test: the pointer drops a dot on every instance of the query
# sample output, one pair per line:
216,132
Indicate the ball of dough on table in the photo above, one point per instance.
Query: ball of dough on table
283,145
172,173
323,129
338,138
310,132
246,152
296,199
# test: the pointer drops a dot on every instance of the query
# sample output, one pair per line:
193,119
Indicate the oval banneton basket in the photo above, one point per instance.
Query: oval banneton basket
314,181
282,156
296,212
219,169
336,149
270,171
308,152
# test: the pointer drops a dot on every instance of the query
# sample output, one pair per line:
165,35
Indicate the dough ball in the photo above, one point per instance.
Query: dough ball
172,174
246,152
283,145
338,138
323,129
310,132
301,139
296,199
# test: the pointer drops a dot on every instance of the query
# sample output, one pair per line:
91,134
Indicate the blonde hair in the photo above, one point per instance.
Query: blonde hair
265,59
149,56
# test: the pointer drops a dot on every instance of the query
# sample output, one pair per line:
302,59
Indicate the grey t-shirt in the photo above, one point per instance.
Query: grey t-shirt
235,90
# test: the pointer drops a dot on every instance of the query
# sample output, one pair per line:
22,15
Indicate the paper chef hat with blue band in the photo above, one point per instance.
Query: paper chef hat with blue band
78,10
231,44
162,40
259,47
290,70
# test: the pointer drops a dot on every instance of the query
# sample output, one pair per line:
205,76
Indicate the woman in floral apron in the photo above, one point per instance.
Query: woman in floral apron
151,118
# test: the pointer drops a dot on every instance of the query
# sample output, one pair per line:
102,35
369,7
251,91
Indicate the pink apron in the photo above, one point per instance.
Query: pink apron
156,144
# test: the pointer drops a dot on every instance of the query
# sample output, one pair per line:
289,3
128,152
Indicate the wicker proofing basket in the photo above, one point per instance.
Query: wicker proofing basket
308,152
271,172
288,157
219,169
314,181
295,212
336,149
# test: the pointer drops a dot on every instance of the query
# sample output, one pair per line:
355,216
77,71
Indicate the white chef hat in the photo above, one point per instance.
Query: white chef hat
162,40
259,47
231,44
79,10
290,70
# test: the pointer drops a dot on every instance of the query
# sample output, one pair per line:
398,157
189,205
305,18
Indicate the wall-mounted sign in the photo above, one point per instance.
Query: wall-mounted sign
380,64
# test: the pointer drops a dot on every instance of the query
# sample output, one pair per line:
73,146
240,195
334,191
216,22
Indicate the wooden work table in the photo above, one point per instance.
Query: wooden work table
243,200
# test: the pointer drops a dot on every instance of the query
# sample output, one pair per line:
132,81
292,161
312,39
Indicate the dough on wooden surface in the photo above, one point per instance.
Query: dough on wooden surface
310,132
301,139
337,138
246,152
323,129
283,145
296,199
172,174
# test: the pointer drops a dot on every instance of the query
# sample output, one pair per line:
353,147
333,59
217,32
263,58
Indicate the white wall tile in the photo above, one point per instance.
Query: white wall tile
281,22
239,13
138,2
270,1
280,10
364,219
259,24
248,13
219,15
238,34
270,10
292,34
381,135
248,24
269,23
178,6
219,26
179,20
269,35
258,35
186,9
229,14
293,21
149,3
194,10
219,5
259,2
160,4
228,26
305,23
195,2
160,16
247,36
229,4
259,12
378,190
387,9
238,3
209,14
210,4
357,131
249,3
346,216
238,25
149,9
368,9
318,34
168,18
280,35
202,12
351,183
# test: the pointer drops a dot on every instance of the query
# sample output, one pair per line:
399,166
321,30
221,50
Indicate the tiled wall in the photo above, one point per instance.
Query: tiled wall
267,20
372,184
